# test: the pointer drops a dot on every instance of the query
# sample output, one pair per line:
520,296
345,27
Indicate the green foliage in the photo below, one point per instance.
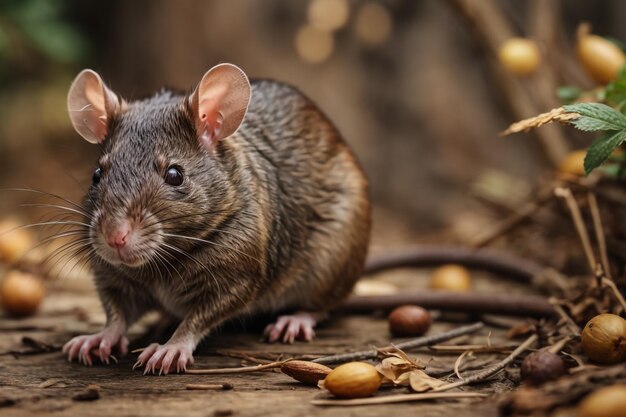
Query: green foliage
568,93
596,116
614,94
35,36
599,117
602,148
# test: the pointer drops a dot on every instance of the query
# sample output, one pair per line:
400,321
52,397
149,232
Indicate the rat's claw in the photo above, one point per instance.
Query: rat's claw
154,362
146,354
99,345
104,351
163,357
289,328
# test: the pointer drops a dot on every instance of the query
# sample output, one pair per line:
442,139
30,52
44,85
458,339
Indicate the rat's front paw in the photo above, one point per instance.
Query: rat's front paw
166,357
289,328
98,345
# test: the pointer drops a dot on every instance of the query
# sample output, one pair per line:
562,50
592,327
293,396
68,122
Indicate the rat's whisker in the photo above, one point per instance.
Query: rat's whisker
32,190
74,244
183,216
60,254
56,206
197,239
161,254
201,265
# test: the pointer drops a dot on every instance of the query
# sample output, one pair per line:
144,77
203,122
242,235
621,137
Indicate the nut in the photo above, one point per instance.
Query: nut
15,241
573,163
603,339
409,320
309,373
21,293
541,366
366,287
601,58
604,402
519,56
451,277
353,380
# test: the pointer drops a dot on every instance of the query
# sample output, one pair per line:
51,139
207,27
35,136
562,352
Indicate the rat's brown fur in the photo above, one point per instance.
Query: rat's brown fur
276,218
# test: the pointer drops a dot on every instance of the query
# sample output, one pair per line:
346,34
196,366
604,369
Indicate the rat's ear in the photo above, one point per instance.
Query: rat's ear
220,102
91,104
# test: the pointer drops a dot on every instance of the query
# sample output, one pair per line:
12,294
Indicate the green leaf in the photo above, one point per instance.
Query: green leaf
615,93
568,93
602,148
596,116
57,40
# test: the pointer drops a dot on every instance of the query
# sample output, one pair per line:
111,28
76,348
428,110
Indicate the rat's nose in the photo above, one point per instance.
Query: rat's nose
119,236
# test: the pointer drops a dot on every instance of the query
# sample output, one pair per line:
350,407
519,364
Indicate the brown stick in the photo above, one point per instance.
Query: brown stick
566,318
487,259
411,344
600,238
616,292
209,387
472,302
579,223
239,370
388,399
505,226
480,376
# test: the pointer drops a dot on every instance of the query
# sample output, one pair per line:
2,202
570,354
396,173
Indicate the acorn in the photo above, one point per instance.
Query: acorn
409,320
605,402
604,339
542,366
309,373
451,277
15,241
353,380
601,58
21,293
519,56
573,163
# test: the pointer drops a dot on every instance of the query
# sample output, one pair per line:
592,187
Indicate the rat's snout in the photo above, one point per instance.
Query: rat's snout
118,236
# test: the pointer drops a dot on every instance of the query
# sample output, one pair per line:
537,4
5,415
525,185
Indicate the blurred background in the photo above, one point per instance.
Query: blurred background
414,86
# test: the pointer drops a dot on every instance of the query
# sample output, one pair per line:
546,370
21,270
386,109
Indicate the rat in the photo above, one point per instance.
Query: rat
236,199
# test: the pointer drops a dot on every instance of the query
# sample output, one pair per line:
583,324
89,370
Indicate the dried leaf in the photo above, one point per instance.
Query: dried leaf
420,381
391,368
396,364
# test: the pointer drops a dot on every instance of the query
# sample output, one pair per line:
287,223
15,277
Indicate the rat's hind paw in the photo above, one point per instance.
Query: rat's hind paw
289,328
99,345
166,358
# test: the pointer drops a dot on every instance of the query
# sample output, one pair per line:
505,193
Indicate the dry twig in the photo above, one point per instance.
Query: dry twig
239,370
572,205
411,344
209,387
597,225
480,376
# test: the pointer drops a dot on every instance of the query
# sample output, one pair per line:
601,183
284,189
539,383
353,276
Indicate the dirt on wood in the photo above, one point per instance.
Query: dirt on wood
37,379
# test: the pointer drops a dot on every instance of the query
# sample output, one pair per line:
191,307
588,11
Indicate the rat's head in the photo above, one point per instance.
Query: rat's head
160,184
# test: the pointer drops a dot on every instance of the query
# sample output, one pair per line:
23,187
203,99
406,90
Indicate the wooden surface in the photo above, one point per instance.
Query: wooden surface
124,392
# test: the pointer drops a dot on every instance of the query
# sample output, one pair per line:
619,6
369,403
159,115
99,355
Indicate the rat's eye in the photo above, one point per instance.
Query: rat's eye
174,176
97,175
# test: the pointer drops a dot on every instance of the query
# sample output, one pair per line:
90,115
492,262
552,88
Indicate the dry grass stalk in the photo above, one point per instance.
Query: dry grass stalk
555,115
